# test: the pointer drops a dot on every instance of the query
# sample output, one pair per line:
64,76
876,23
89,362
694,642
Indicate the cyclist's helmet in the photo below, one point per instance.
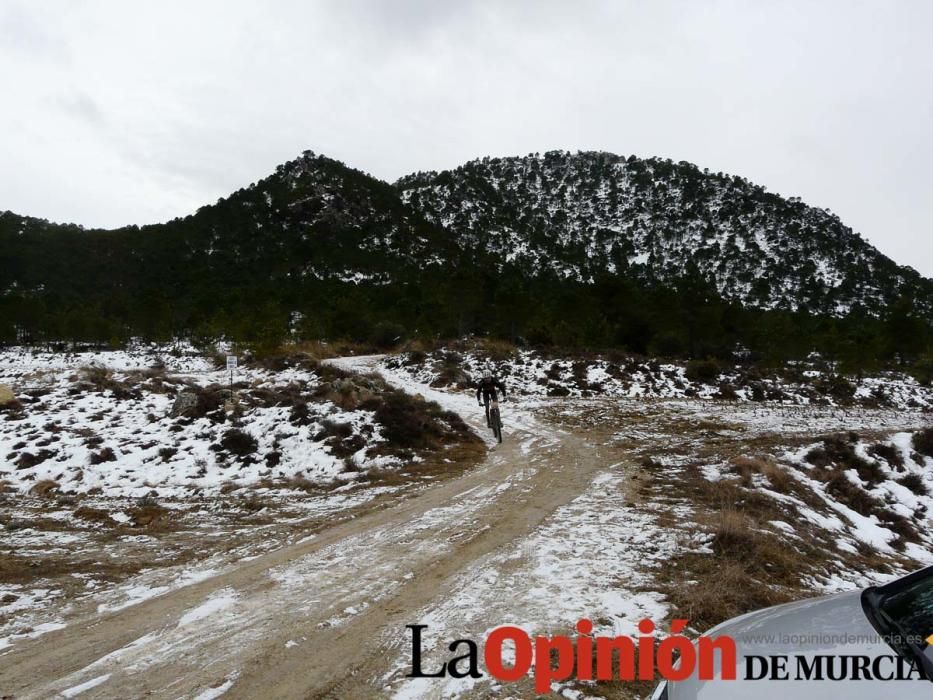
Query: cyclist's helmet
487,374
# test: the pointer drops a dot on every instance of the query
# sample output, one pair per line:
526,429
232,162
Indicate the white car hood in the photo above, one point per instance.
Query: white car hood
831,625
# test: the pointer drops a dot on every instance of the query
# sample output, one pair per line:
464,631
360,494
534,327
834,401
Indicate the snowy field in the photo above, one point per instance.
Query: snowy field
102,424
598,506
529,372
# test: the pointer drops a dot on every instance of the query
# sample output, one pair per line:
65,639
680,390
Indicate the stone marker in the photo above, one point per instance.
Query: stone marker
184,404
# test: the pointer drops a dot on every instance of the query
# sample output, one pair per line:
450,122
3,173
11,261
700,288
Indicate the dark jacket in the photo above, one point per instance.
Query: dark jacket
486,389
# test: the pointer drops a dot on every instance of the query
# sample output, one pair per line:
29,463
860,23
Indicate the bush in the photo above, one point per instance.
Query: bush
28,459
409,422
889,453
238,442
922,370
45,488
703,371
94,515
147,514
499,350
900,525
836,387
105,455
387,335
851,494
915,483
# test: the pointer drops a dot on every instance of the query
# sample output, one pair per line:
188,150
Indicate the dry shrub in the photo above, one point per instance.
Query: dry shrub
745,466
94,515
252,504
13,408
900,525
852,495
732,530
147,514
889,453
702,371
727,392
412,423
718,590
238,442
105,455
499,350
837,454
28,460
340,438
915,483
101,379
778,476
46,488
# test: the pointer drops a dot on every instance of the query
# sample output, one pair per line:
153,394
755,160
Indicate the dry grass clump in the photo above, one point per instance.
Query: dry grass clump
340,438
843,489
750,566
47,488
915,483
410,422
745,467
27,460
237,442
101,379
837,454
148,514
889,453
718,589
104,455
95,515
779,478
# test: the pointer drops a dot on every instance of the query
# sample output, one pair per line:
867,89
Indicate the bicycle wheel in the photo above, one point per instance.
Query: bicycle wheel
497,424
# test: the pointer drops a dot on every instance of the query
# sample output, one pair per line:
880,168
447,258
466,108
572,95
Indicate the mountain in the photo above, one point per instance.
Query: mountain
313,223
587,214
586,249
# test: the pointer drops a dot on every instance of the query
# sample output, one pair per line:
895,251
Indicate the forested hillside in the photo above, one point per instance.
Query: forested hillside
588,250
587,214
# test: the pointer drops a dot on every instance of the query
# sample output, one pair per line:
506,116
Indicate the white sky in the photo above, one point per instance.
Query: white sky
126,112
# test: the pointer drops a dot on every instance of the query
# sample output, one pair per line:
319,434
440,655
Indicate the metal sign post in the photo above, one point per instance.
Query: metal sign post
231,368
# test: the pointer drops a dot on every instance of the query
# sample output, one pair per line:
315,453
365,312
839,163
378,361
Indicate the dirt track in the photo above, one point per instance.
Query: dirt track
310,620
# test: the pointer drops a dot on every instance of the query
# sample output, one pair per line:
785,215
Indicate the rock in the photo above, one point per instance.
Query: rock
6,395
185,403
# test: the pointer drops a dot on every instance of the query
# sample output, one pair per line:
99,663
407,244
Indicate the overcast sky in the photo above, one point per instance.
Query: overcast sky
128,112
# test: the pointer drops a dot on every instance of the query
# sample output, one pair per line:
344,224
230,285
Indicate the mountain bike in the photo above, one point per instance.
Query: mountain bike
494,418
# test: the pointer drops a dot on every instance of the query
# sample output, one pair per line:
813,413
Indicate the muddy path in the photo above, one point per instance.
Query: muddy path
310,620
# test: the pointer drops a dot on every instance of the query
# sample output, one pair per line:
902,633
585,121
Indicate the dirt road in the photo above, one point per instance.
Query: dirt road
322,617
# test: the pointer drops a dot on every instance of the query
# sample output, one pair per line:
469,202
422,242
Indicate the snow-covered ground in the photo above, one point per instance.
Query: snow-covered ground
529,372
596,485
100,423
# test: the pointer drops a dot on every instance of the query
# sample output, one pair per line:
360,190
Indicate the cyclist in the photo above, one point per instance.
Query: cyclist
486,391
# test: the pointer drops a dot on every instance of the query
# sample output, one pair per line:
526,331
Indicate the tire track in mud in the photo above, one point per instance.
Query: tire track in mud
308,620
